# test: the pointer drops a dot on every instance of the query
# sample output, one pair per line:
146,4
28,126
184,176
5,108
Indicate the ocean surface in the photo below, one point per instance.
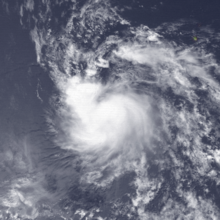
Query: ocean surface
109,109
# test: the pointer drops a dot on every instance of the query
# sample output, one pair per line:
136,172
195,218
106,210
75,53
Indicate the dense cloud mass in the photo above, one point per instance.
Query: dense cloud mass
107,117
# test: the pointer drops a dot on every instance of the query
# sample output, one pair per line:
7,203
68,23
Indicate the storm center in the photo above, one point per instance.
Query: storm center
116,122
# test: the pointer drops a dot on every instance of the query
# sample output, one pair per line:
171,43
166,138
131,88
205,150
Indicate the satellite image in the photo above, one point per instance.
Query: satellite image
109,110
